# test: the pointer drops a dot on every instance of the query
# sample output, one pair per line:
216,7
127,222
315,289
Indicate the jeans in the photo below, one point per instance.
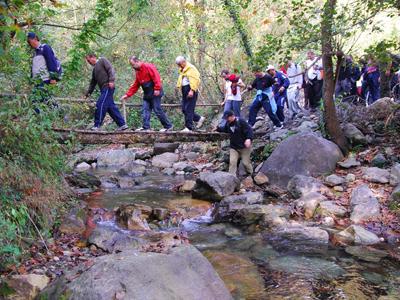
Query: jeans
255,107
188,106
231,105
150,105
105,104
244,155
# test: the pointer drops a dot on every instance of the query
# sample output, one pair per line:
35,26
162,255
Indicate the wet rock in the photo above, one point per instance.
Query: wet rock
330,208
379,160
25,287
354,135
168,171
350,177
187,186
261,178
366,253
83,180
307,267
275,215
309,202
115,157
215,186
160,214
334,180
165,160
395,175
126,182
130,217
240,274
82,167
356,234
301,154
301,185
133,169
376,175
190,169
160,148
74,222
349,163
182,274
111,239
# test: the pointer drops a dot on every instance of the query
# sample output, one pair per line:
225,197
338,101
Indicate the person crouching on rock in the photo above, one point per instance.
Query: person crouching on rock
241,136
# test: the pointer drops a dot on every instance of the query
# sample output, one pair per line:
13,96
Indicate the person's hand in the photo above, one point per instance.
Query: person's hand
157,93
249,87
124,97
53,81
191,93
281,89
222,103
247,143
111,85
85,97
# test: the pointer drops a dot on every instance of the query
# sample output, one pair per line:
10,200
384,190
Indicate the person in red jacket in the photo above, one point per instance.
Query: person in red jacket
149,79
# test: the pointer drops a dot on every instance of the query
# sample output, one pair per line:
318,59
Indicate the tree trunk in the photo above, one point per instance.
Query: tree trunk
331,119
200,6
238,23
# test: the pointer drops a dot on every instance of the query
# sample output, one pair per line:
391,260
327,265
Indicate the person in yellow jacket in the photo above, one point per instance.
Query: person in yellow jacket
189,82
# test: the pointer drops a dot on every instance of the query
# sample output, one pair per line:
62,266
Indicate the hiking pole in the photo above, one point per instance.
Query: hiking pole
123,109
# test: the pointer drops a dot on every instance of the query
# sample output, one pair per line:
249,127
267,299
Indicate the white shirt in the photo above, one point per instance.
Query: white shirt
294,74
228,91
313,72
185,81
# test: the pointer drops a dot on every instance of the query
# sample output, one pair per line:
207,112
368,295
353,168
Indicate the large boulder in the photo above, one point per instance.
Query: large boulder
381,109
160,148
301,154
215,186
165,160
115,157
184,273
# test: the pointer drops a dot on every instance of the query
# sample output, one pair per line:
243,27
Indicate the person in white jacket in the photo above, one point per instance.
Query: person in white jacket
295,75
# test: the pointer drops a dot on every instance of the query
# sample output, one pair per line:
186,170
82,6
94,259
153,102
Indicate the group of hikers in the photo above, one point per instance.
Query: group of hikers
273,90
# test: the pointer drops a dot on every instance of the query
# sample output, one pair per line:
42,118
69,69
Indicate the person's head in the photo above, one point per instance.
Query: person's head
91,58
271,70
225,73
349,59
310,55
181,61
33,40
229,116
257,71
135,62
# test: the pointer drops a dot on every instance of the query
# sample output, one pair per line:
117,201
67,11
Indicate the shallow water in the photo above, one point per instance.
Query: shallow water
254,265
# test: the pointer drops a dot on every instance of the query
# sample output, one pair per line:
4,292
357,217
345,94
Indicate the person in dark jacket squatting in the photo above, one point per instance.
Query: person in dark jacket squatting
103,75
241,136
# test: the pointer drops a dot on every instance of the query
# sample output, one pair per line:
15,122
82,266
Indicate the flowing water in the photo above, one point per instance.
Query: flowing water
255,265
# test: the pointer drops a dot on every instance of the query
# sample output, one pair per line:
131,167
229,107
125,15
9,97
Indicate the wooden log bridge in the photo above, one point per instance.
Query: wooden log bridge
88,137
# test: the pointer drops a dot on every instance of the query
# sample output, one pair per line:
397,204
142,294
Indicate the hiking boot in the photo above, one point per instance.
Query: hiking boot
186,130
200,122
278,127
122,128
141,129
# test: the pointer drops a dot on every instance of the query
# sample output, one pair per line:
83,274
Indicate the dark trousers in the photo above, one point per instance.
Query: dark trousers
105,104
41,93
314,92
150,105
188,106
280,102
255,108
374,93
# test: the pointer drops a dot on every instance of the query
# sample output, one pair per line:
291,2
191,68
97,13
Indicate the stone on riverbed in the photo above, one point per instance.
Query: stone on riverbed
184,273
366,253
334,180
304,154
309,202
130,217
364,204
165,160
215,186
115,157
301,185
160,148
82,167
330,208
356,234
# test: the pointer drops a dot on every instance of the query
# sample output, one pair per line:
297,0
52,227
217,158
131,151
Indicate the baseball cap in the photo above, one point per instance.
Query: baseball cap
270,67
31,35
228,113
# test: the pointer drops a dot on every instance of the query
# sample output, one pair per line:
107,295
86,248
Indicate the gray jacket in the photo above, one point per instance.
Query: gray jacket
102,74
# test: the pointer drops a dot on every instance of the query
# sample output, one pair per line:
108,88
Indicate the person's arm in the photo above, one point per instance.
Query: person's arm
155,77
241,83
132,89
224,128
194,79
110,71
92,85
248,133
51,61
286,81
299,77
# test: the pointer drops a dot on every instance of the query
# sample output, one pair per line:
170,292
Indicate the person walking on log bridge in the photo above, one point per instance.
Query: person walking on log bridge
241,136
46,68
149,79
264,97
103,75
189,82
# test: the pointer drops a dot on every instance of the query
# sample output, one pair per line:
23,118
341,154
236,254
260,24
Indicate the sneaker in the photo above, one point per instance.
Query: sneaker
186,130
166,129
122,128
142,129
200,122
278,127
94,128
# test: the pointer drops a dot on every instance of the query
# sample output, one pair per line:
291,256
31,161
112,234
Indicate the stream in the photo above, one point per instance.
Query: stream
255,265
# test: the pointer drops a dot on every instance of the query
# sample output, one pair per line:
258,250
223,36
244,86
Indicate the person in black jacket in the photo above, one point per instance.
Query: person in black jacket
241,136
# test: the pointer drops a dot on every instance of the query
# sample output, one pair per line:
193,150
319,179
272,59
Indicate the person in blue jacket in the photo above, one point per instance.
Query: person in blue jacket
281,84
46,68
372,82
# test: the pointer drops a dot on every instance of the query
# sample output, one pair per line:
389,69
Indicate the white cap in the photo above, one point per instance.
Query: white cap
180,59
270,67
